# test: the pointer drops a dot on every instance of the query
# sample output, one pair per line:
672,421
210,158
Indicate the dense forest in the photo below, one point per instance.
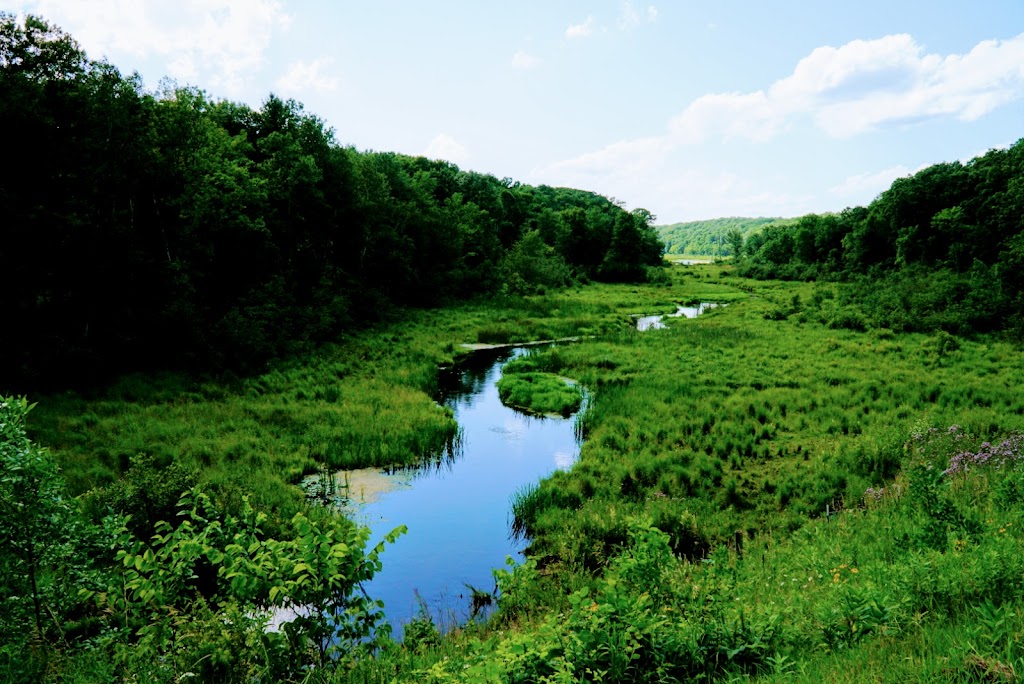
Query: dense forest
715,237
171,229
942,249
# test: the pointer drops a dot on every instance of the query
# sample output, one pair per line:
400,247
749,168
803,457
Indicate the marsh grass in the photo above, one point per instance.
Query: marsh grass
752,421
860,595
538,392
764,422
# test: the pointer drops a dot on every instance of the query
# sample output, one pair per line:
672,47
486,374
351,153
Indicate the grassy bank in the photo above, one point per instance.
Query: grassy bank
751,498
365,401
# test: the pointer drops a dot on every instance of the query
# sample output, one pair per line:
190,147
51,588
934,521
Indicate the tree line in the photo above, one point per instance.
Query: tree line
173,229
942,249
714,237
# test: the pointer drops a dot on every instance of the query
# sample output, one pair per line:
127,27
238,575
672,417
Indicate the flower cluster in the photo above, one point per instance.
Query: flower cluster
920,433
931,445
837,572
1004,454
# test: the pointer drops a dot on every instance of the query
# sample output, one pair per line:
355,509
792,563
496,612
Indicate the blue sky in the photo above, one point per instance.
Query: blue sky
690,109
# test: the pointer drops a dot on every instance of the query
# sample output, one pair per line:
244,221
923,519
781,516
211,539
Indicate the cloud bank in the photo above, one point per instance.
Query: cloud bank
842,92
524,60
446,147
861,86
218,41
303,77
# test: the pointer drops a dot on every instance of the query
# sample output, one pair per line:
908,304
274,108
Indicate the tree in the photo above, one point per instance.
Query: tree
38,51
652,249
178,230
41,537
623,261
533,265
734,238
634,245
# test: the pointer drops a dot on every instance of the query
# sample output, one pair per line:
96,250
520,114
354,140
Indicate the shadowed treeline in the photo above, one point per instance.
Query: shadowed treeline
174,229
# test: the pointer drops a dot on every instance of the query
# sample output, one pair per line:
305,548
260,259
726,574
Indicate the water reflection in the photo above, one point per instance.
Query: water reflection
457,508
655,322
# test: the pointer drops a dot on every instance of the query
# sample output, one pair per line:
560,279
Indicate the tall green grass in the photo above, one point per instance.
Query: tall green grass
868,593
744,441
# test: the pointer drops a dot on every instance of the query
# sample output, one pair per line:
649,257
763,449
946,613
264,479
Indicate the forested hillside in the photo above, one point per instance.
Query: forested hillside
168,229
715,237
942,249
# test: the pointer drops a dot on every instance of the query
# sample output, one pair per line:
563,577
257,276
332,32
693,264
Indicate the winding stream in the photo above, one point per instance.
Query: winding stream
458,513
458,509
654,322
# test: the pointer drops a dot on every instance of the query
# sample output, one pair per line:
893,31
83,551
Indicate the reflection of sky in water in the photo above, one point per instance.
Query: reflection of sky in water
644,323
514,427
564,459
458,516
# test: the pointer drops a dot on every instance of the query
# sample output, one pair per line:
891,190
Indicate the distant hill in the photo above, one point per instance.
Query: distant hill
707,238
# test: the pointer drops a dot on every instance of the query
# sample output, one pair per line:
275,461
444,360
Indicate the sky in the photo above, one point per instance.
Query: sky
690,109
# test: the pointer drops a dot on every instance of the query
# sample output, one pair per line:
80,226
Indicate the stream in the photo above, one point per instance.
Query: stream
458,511
654,322
458,508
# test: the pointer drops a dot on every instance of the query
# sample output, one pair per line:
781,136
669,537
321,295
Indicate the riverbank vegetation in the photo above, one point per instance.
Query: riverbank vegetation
821,481
734,466
537,391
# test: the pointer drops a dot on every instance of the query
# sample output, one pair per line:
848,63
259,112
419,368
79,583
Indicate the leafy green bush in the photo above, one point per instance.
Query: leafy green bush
198,598
47,550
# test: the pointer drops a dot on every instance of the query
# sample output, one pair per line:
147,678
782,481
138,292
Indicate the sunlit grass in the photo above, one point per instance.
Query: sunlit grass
755,421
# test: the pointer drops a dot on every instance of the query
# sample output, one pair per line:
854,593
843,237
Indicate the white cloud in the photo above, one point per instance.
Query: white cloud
702,193
524,60
582,30
564,459
864,187
648,173
302,77
754,116
982,153
621,160
445,147
631,17
221,40
845,91
864,85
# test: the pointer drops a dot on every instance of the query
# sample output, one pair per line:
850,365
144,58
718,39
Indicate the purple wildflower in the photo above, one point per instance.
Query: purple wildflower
1005,454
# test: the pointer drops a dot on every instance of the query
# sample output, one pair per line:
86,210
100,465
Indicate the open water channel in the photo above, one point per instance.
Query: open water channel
655,322
458,512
